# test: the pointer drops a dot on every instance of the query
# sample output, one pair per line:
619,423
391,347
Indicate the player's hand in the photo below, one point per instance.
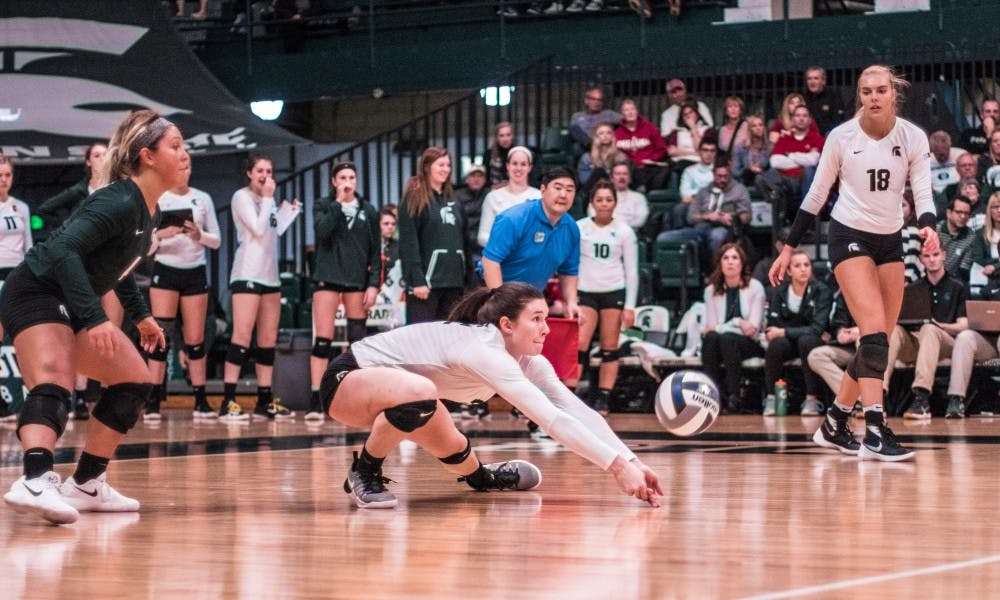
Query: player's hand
368,301
192,231
103,338
150,335
932,243
267,187
632,481
572,310
628,318
168,232
780,266
422,292
652,479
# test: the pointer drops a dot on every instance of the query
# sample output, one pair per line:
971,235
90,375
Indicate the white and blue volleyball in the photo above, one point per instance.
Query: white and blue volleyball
687,403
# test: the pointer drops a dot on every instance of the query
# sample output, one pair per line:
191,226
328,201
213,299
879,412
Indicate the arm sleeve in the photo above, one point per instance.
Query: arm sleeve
563,417
688,185
328,219
63,200
374,247
486,219
783,162
409,249
244,213
630,260
711,311
826,174
641,211
131,298
210,236
28,241
920,175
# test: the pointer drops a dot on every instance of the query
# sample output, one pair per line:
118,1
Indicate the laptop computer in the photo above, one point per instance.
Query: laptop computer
916,309
984,315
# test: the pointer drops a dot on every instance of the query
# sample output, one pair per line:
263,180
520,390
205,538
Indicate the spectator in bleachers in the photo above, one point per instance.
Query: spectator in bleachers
608,286
988,166
734,311
798,313
582,123
432,240
631,206
390,244
967,166
933,341
684,142
944,158
471,197
677,92
596,163
734,131
830,359
793,164
638,139
956,238
717,214
825,104
913,269
973,193
985,251
516,191
58,208
976,139
753,157
785,122
348,270
496,156
698,174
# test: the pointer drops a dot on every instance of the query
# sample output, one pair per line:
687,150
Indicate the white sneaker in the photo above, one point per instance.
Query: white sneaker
576,6
314,415
232,412
594,6
41,496
97,496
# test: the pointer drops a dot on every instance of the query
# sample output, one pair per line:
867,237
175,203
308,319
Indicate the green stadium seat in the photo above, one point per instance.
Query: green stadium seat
679,267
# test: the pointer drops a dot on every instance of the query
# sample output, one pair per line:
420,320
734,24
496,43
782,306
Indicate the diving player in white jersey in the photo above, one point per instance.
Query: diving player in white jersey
608,286
15,240
188,226
391,383
253,281
873,155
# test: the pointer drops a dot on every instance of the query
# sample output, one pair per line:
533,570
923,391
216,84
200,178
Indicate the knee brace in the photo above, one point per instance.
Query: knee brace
410,416
321,348
872,356
265,356
45,405
356,330
120,406
195,351
609,355
459,457
160,354
236,354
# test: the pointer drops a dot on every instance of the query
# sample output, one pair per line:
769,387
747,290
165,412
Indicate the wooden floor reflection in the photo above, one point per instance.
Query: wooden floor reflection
752,509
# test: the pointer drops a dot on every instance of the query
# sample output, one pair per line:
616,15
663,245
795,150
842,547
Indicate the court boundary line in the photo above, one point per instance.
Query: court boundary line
848,583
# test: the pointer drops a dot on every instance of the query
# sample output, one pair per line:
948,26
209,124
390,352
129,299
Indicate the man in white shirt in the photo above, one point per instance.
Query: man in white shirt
677,92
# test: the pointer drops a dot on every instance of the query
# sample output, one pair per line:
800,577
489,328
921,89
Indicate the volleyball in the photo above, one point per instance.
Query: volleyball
687,403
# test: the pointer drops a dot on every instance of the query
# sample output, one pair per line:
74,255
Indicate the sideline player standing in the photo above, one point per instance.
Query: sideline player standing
873,155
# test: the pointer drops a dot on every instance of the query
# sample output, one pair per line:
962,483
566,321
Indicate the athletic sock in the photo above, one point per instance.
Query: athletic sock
264,396
229,392
837,413
874,416
37,462
480,479
90,467
369,463
314,399
200,398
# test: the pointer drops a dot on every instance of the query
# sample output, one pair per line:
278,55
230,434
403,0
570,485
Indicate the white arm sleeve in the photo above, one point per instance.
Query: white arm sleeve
782,162
486,219
805,159
210,237
920,175
244,213
630,260
826,174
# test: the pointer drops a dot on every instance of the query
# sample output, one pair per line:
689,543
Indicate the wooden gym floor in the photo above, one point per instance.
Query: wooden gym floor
752,509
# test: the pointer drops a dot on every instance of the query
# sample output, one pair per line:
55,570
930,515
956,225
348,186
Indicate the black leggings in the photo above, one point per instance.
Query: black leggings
721,355
781,349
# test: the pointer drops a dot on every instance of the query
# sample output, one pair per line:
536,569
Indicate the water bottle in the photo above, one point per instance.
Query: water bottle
780,398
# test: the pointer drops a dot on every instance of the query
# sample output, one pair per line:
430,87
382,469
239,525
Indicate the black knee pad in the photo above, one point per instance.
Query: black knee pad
609,355
852,367
265,356
236,354
459,457
872,356
356,330
45,405
321,348
120,406
410,416
195,351
583,357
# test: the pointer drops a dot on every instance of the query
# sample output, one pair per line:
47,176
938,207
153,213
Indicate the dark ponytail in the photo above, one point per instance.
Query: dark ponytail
483,305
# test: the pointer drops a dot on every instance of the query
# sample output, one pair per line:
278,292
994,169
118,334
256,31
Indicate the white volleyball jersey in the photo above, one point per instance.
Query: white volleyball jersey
256,221
469,362
180,251
608,259
15,232
872,176
495,203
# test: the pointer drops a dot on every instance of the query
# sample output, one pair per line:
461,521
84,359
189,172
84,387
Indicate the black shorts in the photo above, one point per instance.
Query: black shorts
603,300
844,242
28,301
334,374
252,287
326,286
188,282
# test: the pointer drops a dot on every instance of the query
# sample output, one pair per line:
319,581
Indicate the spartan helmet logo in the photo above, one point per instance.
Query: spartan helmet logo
447,217
646,321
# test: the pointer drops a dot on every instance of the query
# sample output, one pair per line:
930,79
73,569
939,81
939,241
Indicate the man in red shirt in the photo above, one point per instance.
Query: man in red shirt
793,163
